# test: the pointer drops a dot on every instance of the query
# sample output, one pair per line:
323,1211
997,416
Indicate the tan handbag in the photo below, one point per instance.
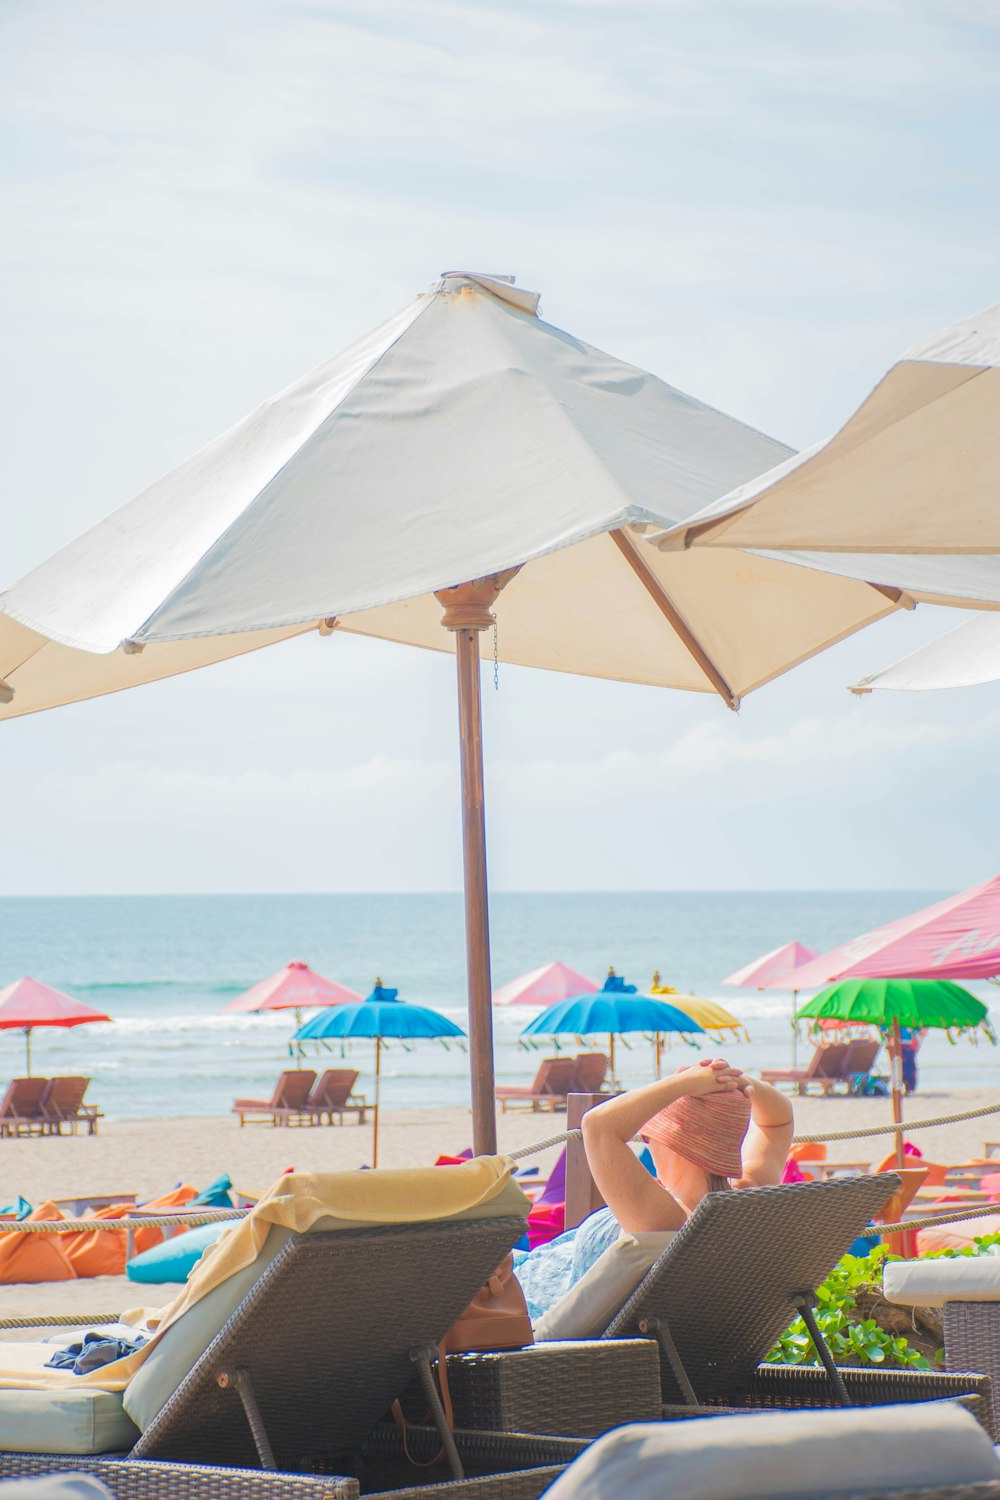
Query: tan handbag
496,1318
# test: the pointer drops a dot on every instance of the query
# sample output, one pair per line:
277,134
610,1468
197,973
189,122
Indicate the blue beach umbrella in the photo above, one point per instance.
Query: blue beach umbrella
382,1014
617,1009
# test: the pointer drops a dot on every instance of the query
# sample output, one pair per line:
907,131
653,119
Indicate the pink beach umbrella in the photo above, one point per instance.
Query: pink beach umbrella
958,938
771,972
295,987
28,1003
545,986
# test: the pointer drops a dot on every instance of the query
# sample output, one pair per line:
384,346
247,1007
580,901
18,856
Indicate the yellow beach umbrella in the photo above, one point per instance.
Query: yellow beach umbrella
709,1015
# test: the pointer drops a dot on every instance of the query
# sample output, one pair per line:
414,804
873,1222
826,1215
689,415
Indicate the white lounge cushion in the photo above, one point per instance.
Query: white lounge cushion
585,1311
55,1487
65,1421
932,1283
773,1456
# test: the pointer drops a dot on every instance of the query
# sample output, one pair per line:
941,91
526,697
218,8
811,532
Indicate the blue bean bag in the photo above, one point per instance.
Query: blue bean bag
173,1260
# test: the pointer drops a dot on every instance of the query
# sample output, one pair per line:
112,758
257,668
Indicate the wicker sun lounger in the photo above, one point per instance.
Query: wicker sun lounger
739,1272
288,1398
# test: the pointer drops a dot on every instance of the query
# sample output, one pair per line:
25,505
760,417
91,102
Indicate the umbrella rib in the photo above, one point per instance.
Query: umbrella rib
674,618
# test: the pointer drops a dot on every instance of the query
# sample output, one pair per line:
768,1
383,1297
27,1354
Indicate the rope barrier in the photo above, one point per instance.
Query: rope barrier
957,1216
800,1140
61,1320
853,1135
131,1221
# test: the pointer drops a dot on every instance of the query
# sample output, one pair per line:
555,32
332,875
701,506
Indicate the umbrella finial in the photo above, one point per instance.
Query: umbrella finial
611,971
378,981
656,978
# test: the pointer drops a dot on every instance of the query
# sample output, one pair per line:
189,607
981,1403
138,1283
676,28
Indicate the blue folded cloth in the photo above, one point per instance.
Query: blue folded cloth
93,1351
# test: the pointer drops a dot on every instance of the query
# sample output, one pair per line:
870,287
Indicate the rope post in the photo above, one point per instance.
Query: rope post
582,1193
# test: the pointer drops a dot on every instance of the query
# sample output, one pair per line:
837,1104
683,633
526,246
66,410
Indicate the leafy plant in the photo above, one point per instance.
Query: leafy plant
852,1337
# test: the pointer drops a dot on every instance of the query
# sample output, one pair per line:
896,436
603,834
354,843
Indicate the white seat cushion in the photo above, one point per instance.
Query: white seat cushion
932,1283
585,1311
806,1454
65,1421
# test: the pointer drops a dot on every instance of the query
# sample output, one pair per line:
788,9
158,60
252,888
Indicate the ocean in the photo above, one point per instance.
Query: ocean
164,966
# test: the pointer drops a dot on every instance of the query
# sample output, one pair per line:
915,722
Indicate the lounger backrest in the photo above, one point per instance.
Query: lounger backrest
63,1096
334,1088
292,1089
555,1076
325,1335
861,1056
23,1099
591,1071
726,1286
830,1063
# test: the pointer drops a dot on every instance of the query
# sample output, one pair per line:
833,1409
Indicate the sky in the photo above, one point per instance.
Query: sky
762,201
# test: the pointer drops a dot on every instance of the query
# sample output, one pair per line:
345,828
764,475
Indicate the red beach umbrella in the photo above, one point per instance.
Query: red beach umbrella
28,1003
295,987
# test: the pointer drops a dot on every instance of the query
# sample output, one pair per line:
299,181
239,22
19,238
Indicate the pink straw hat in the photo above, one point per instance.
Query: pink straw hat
707,1130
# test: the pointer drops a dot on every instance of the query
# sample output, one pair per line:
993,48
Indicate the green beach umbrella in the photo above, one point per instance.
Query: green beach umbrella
938,1004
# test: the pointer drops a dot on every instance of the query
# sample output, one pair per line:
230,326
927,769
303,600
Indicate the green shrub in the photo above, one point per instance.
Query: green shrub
855,1340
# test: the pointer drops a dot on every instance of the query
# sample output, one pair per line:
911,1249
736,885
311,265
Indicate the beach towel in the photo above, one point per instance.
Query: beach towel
299,1201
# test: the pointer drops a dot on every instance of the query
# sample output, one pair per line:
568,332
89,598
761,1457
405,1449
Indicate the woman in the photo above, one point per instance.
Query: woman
707,1128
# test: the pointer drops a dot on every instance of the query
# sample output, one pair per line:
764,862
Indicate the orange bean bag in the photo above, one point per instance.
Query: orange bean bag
35,1257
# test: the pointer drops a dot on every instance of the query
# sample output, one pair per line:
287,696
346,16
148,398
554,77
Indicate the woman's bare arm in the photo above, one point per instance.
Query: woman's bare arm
765,1149
635,1198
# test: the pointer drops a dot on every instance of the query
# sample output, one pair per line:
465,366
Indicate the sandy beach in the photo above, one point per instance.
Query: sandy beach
148,1156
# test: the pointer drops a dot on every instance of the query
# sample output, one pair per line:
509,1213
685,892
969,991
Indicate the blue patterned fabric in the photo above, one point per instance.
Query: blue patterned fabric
547,1273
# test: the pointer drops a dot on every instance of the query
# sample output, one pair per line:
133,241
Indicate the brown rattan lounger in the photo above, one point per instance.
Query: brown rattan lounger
716,1300
297,1380
739,1272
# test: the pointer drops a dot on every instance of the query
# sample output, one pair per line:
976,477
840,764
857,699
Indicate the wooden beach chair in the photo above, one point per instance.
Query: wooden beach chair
334,1095
285,1400
725,1289
824,1070
62,1104
21,1107
552,1082
290,1094
591,1073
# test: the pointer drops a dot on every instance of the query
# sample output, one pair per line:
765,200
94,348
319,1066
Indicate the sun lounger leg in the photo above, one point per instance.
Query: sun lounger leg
422,1359
661,1333
804,1305
240,1381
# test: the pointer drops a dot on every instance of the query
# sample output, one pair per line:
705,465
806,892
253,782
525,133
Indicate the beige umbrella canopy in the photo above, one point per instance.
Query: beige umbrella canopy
464,459
916,469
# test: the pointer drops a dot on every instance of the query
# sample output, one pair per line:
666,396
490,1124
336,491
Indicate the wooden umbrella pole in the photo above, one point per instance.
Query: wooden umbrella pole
378,1093
795,1029
27,1049
896,1070
467,612
298,1044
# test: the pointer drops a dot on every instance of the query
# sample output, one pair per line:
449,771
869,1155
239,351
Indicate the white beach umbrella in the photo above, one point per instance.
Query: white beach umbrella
915,471
967,656
462,451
